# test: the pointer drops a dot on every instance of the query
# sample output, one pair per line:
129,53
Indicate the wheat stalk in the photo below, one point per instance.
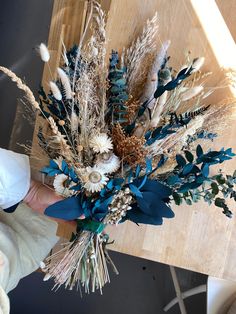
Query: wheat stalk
28,93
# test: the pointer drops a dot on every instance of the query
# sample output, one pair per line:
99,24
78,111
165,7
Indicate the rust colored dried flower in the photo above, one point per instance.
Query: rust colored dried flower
130,149
132,108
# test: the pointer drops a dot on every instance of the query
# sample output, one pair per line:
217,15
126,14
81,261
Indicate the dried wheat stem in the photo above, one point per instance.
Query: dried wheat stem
22,86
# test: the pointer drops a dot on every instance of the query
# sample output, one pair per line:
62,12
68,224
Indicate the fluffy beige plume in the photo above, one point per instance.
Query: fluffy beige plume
55,90
158,109
28,93
152,78
197,64
74,122
191,93
65,83
138,51
44,53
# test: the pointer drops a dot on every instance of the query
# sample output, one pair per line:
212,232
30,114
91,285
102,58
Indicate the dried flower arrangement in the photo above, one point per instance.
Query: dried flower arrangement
122,146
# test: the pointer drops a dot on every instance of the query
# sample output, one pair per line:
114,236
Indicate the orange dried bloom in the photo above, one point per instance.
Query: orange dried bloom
130,149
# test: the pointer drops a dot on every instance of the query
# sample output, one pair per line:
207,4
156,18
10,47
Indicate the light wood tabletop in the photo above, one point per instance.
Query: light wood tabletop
200,237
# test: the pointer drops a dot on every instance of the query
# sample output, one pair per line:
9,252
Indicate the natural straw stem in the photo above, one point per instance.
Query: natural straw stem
22,86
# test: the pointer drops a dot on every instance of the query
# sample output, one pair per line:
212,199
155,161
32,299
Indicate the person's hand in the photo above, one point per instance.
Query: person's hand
39,197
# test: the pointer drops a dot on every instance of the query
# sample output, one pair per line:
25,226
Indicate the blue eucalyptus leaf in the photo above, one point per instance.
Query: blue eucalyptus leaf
180,160
143,182
137,171
64,167
148,165
46,170
118,181
53,172
67,209
110,185
53,164
187,169
162,161
135,190
199,151
147,135
172,180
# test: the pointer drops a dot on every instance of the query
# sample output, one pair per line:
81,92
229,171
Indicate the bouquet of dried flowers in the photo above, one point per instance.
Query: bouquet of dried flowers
122,145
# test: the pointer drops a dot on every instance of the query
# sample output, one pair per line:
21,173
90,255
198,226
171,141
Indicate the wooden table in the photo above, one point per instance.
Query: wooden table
200,237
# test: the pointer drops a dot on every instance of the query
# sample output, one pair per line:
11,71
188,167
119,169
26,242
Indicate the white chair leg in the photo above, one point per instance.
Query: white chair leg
186,294
177,291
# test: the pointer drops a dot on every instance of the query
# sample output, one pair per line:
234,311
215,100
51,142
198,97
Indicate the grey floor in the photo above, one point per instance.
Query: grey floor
143,287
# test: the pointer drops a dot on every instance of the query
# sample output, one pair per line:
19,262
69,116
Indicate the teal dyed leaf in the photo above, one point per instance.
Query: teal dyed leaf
187,169
137,172
180,160
177,198
189,156
148,165
199,151
172,180
143,182
205,170
53,164
215,189
110,185
135,190
64,167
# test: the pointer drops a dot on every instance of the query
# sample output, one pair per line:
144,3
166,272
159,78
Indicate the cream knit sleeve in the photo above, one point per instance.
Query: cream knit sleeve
14,177
26,237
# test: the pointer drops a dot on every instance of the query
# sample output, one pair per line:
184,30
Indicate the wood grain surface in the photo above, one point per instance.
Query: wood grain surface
200,237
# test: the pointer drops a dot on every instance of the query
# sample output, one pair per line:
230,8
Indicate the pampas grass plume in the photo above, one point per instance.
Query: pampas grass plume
65,82
55,91
44,53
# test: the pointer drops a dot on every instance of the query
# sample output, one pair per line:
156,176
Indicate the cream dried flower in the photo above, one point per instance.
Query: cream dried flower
101,143
44,53
109,162
55,90
95,179
61,186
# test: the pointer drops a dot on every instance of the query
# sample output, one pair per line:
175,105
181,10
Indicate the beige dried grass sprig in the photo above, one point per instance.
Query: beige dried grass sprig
144,45
28,93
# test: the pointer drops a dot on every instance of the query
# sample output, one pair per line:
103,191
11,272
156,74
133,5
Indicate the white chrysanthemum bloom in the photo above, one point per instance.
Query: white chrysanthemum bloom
61,187
109,162
101,143
95,179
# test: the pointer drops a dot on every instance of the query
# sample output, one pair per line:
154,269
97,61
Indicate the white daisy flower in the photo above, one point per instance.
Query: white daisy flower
61,186
109,162
101,143
95,179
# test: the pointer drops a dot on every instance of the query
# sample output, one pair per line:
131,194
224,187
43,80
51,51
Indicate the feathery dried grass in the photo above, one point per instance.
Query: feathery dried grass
95,54
138,54
28,93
